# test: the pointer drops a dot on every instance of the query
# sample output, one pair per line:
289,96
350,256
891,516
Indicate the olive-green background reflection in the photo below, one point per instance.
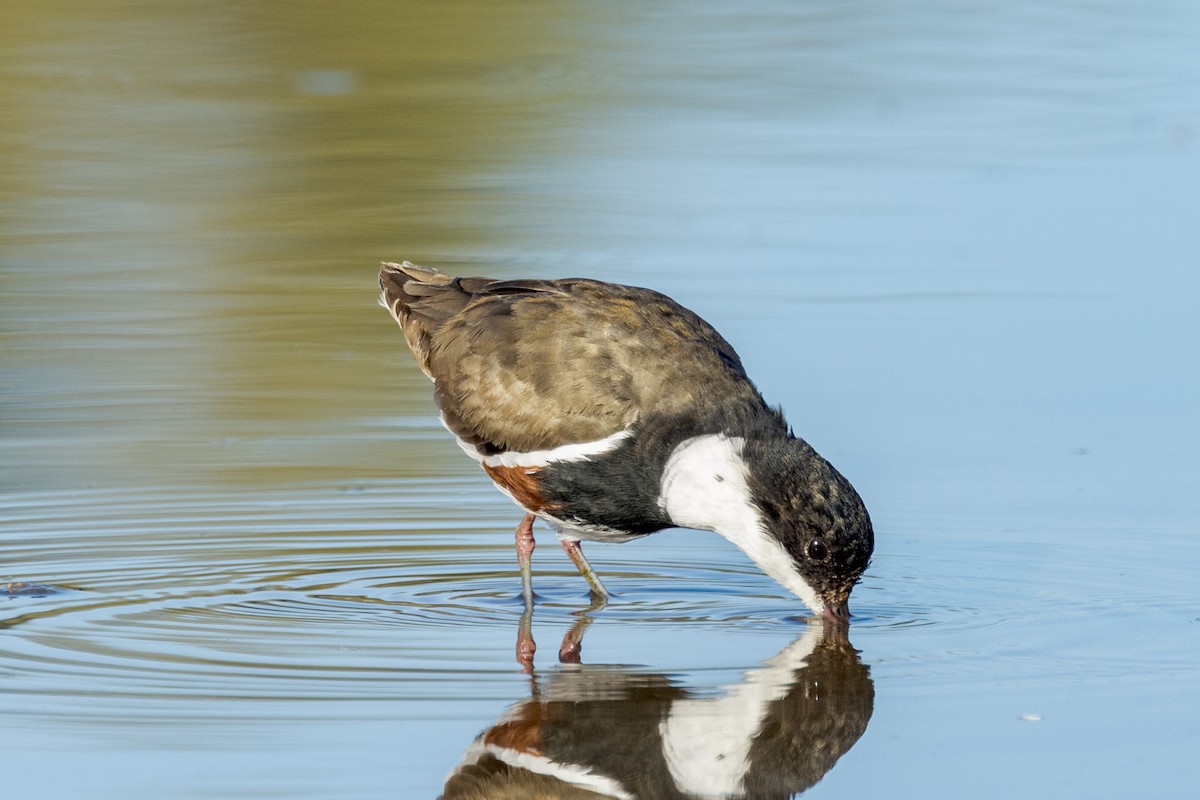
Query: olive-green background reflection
194,199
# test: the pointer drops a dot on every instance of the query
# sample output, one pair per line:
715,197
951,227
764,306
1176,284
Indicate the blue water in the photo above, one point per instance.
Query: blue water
956,242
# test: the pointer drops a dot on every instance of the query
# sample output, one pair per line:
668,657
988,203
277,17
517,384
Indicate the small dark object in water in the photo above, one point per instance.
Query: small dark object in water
23,589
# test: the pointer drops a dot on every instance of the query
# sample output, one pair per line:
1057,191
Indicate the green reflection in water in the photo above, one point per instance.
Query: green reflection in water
196,199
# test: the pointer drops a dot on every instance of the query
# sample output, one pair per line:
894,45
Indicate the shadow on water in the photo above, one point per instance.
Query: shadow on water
607,731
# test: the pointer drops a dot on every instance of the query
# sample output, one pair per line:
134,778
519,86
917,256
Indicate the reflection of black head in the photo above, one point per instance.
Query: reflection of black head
814,725
621,729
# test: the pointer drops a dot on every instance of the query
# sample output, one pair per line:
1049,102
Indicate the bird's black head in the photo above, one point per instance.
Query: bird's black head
815,514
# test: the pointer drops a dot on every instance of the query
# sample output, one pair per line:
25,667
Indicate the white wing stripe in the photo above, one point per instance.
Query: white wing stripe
567,452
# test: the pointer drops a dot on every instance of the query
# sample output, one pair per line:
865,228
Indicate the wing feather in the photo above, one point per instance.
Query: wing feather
525,365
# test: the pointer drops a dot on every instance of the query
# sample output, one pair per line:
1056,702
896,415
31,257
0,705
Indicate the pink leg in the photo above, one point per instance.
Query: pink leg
526,646
525,545
572,644
575,552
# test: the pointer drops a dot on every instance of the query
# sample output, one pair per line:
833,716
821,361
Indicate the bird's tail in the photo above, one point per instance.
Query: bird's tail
422,300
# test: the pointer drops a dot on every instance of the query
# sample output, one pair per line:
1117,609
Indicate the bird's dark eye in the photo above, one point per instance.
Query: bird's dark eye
817,550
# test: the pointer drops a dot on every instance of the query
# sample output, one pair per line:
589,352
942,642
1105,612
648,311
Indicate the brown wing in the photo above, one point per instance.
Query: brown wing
532,365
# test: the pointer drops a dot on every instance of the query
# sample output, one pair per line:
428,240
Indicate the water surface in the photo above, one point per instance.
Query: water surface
956,243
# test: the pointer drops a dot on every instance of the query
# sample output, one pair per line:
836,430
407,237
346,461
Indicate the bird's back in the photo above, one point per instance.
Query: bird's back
530,365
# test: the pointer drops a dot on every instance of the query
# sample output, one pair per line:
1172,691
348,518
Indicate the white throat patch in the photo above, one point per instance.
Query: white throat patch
704,486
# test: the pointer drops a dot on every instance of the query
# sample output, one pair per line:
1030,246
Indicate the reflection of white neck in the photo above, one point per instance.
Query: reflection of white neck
707,742
704,486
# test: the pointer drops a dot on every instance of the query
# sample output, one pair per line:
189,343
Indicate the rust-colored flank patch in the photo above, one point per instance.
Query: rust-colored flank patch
521,483
522,733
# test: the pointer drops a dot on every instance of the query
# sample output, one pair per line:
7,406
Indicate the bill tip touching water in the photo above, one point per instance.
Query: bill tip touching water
611,412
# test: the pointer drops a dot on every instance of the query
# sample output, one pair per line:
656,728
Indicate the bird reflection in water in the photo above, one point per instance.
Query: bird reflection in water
594,731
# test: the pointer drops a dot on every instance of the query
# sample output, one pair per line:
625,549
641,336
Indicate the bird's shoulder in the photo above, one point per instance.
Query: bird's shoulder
537,364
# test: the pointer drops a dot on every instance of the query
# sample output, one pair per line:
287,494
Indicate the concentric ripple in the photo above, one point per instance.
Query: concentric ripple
409,587
192,593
